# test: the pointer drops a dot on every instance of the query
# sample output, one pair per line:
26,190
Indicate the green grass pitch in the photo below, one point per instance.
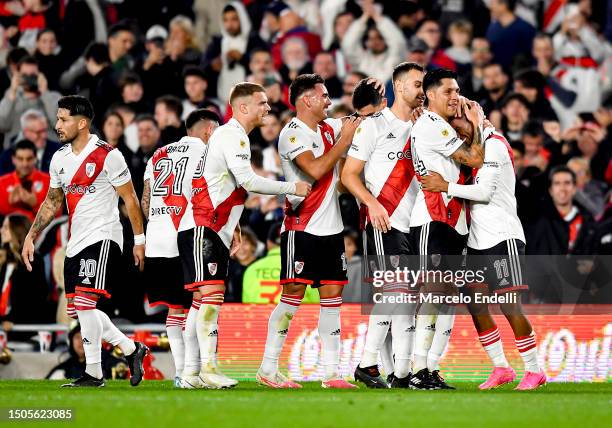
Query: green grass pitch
157,403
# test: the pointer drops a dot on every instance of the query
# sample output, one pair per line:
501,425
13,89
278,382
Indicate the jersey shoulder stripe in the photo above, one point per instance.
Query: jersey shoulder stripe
104,145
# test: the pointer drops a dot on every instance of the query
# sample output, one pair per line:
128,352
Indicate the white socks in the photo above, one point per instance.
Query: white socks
114,336
425,329
492,344
278,327
528,349
207,327
192,350
378,326
329,332
402,332
444,328
91,331
174,329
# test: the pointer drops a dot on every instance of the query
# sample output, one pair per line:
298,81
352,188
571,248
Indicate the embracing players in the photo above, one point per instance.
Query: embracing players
381,147
495,244
217,188
438,226
164,205
91,174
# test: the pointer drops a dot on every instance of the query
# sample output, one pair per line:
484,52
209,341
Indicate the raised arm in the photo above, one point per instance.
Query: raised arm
46,213
472,155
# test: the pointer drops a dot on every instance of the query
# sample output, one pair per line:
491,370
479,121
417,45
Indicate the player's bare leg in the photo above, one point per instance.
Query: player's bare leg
525,341
278,327
329,332
190,378
489,337
175,321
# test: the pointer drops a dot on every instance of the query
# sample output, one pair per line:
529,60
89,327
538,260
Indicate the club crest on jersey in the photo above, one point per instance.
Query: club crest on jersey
212,268
37,186
299,267
90,168
394,261
292,140
445,132
242,143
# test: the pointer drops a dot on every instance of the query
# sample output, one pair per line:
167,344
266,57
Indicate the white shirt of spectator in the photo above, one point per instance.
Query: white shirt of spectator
494,221
383,142
170,172
433,142
217,199
88,181
319,212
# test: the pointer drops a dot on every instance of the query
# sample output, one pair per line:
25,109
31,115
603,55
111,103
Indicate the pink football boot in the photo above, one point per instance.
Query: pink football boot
337,383
500,376
276,381
531,380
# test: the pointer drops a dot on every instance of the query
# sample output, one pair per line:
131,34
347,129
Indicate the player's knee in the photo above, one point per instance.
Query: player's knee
332,302
85,301
511,309
294,290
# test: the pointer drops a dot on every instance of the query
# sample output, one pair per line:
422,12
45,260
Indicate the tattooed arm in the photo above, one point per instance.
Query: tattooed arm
145,201
472,155
45,214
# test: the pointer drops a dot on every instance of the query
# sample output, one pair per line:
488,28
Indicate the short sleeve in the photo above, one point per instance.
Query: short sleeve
292,143
148,174
236,149
495,154
364,141
54,178
116,168
442,138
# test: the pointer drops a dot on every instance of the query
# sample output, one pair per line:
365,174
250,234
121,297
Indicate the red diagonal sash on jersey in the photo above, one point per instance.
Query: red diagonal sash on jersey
298,219
398,182
222,212
170,200
438,210
82,180
204,213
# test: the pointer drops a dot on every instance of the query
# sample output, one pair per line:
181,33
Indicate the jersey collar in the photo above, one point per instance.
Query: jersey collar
304,126
191,140
388,114
233,122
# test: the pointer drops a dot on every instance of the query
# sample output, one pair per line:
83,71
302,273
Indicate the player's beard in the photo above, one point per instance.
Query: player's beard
68,139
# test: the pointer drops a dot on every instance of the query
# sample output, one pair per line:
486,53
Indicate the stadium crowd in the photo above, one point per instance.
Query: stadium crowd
541,69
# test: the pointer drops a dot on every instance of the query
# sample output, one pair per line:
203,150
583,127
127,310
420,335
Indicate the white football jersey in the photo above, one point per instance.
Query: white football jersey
383,142
433,142
217,199
495,221
319,212
88,181
170,172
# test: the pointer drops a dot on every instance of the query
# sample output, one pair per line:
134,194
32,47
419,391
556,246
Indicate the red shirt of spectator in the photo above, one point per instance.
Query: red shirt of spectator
23,190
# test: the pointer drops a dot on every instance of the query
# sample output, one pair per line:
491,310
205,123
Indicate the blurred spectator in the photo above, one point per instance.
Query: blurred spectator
130,129
195,85
24,189
260,65
275,94
533,138
112,129
120,41
384,45
35,128
460,36
471,80
148,141
28,90
590,193
563,227
168,111
99,83
348,86
159,74
325,66
531,84
511,37
592,145
132,93
207,23
24,296
50,61
181,47
269,133
353,292
12,61
409,15
429,31
296,60
237,265
495,83
341,24
514,115
227,55
291,25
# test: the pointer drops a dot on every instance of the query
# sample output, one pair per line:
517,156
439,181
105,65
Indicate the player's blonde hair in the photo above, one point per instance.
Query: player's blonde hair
244,89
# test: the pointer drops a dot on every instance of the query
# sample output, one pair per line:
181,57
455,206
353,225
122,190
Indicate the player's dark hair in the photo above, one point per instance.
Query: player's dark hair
24,145
76,105
193,70
244,89
301,84
402,68
515,96
172,103
433,79
558,170
146,117
365,94
98,52
200,115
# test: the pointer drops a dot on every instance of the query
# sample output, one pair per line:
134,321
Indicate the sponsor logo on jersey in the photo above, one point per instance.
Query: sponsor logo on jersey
451,141
355,147
399,155
61,171
328,136
299,267
242,144
212,268
86,281
243,156
445,132
78,189
90,169
390,135
166,210
86,341
315,146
